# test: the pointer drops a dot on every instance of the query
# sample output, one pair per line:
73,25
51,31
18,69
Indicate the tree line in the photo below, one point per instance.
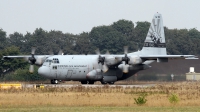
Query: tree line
111,37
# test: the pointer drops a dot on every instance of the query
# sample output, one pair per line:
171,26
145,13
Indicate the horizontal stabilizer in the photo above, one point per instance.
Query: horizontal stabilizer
155,57
162,59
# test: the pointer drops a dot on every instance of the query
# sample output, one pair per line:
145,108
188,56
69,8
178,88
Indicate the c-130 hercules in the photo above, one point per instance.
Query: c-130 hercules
105,68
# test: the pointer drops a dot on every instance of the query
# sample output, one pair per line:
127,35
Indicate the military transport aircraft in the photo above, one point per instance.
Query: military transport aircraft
105,68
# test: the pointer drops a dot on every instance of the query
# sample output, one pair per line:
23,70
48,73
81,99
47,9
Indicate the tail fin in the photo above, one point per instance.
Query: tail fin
155,40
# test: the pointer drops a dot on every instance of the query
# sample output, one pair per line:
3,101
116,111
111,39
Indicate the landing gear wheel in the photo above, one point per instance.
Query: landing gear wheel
54,81
83,82
111,82
91,82
102,82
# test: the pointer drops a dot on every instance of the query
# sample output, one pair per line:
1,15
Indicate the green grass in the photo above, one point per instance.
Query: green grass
99,109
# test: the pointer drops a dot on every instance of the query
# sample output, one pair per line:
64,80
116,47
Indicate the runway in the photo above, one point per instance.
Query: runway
87,86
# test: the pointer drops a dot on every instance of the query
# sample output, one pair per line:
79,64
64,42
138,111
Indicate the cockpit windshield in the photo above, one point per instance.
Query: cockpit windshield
48,60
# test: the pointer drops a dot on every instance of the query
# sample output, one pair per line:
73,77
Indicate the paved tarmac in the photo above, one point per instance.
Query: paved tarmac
87,85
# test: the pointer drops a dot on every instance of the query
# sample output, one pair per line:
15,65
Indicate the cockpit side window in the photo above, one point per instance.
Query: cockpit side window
48,60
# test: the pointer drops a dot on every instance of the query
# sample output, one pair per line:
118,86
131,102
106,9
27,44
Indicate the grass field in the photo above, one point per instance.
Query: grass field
99,109
105,98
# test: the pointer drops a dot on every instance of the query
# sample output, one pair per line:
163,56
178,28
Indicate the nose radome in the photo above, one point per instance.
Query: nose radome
44,71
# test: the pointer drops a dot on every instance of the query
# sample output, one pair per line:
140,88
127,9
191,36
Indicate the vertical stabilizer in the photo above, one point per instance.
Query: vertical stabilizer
155,40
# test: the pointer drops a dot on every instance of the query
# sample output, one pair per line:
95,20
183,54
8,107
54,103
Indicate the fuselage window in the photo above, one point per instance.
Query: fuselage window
55,60
54,67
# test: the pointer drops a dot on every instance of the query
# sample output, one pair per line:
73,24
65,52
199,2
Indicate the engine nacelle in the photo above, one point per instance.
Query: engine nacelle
135,60
111,60
94,75
127,68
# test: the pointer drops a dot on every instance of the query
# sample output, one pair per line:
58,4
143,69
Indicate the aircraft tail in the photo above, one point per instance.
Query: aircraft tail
155,40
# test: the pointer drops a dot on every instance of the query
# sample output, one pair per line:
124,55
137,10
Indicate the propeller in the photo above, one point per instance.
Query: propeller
60,52
125,61
124,67
101,60
32,60
51,52
126,58
107,53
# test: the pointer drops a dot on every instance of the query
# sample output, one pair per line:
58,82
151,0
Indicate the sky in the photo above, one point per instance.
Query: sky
77,16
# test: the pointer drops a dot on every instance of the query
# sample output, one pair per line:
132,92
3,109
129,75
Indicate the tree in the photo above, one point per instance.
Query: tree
82,43
3,41
12,64
140,33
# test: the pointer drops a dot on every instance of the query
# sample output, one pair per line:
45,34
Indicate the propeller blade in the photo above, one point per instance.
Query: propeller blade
32,58
40,60
125,68
107,55
31,69
125,49
107,52
125,58
51,52
97,51
104,68
33,50
102,61
60,52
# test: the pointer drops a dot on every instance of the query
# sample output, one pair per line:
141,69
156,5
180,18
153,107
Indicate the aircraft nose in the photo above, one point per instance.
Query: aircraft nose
44,71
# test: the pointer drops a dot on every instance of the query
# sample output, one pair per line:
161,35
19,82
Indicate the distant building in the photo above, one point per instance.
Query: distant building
192,75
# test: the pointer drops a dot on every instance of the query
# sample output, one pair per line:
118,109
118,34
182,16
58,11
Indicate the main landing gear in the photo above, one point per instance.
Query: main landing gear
54,81
92,82
102,82
87,82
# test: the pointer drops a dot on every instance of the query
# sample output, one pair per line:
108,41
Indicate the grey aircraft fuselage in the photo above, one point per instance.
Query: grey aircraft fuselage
81,68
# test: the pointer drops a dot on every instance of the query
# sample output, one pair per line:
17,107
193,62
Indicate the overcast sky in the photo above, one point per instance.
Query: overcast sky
77,16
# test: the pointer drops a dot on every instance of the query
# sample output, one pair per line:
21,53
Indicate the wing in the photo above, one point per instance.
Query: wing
19,56
25,56
37,59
